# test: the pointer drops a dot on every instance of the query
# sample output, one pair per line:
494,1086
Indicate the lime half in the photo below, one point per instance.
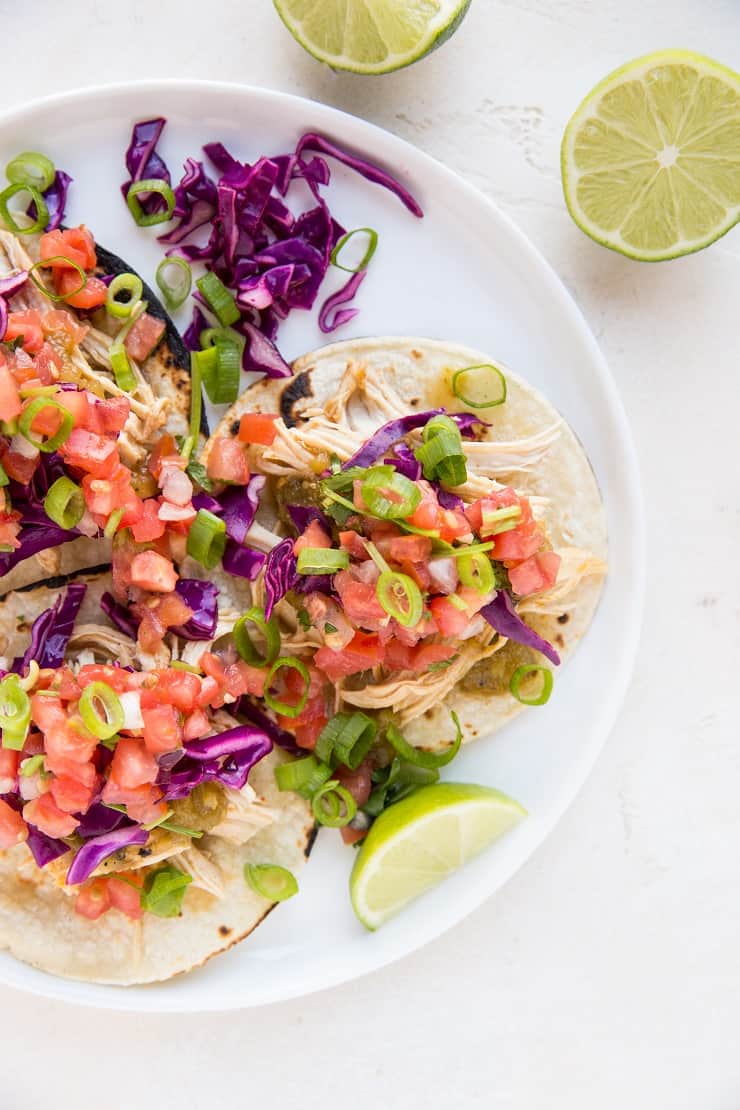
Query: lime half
371,36
651,158
421,840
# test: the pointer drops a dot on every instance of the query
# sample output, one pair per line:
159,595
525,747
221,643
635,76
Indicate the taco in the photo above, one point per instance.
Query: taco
66,412
422,558
123,852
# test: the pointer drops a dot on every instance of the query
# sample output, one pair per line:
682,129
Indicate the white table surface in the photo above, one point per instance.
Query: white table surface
606,974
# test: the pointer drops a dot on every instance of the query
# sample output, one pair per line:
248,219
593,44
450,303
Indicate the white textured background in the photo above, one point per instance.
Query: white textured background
607,973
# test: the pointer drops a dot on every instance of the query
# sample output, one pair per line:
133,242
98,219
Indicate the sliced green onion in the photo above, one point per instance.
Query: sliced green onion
30,413
400,597
396,782
151,185
480,387
42,212
109,743
333,805
64,503
180,666
122,371
496,521
50,293
337,498
283,708
388,494
38,391
476,572
270,631
164,890
376,557
419,758
451,552
210,337
111,525
31,765
372,237
31,168
4,479
207,539
15,712
274,883
101,710
521,673
346,739
181,830
176,285
196,401
321,560
220,366
218,298
132,285
442,458
303,776
457,602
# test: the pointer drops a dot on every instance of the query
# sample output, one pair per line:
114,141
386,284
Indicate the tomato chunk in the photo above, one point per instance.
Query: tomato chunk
162,731
227,462
12,826
10,399
535,574
93,293
151,571
133,765
144,337
93,899
28,325
45,814
124,891
258,427
313,536
362,653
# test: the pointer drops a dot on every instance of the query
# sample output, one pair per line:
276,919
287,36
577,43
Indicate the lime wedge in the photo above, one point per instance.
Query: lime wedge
421,840
371,36
651,159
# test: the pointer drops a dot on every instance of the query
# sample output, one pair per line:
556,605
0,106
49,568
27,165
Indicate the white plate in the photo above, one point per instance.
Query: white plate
463,273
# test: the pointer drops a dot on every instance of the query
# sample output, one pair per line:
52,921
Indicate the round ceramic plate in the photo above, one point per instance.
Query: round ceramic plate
463,273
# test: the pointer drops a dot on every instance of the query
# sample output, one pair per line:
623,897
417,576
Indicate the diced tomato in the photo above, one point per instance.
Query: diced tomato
240,678
93,899
360,601
517,544
258,427
143,803
210,692
90,452
9,760
352,836
10,399
363,653
124,890
70,795
313,536
12,826
453,525
76,402
227,462
412,549
151,571
71,742
354,544
20,467
450,620
165,448
93,293
133,765
45,814
109,416
47,365
115,677
10,526
426,655
178,688
535,574
75,244
144,337
162,731
404,657
307,734
58,320
46,422
27,324
197,724
149,527
66,684
358,782
427,511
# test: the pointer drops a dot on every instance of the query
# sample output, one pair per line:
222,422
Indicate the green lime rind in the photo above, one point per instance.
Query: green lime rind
669,180
419,841
339,16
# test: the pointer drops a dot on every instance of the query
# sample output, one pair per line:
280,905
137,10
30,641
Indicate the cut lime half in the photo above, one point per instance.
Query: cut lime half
371,36
421,840
651,158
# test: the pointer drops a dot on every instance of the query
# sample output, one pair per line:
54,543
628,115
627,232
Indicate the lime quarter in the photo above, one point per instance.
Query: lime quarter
651,158
421,840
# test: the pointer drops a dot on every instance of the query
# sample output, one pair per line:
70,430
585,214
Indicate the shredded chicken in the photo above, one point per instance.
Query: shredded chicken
245,816
206,875
109,643
575,565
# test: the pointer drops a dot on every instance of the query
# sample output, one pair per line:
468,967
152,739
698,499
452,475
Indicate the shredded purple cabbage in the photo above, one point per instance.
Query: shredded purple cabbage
202,598
38,532
332,315
280,574
503,617
44,849
405,462
242,562
238,507
11,284
97,848
390,433
145,164
303,515
368,170
56,200
52,629
99,820
447,499
119,615
238,749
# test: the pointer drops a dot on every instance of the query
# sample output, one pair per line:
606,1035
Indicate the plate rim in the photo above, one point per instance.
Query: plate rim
136,999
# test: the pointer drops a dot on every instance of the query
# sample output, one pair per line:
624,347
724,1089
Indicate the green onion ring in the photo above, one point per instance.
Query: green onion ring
42,212
333,805
207,539
31,168
269,629
321,560
30,413
111,720
418,758
174,292
124,283
15,712
111,524
372,236
220,367
280,707
400,597
274,883
484,389
303,776
69,264
31,765
380,481
218,298
122,370
521,673
150,185
64,503
476,572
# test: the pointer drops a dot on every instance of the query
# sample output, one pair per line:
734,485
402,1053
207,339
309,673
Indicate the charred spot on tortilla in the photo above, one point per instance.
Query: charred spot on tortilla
235,427
224,930
563,618
296,390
